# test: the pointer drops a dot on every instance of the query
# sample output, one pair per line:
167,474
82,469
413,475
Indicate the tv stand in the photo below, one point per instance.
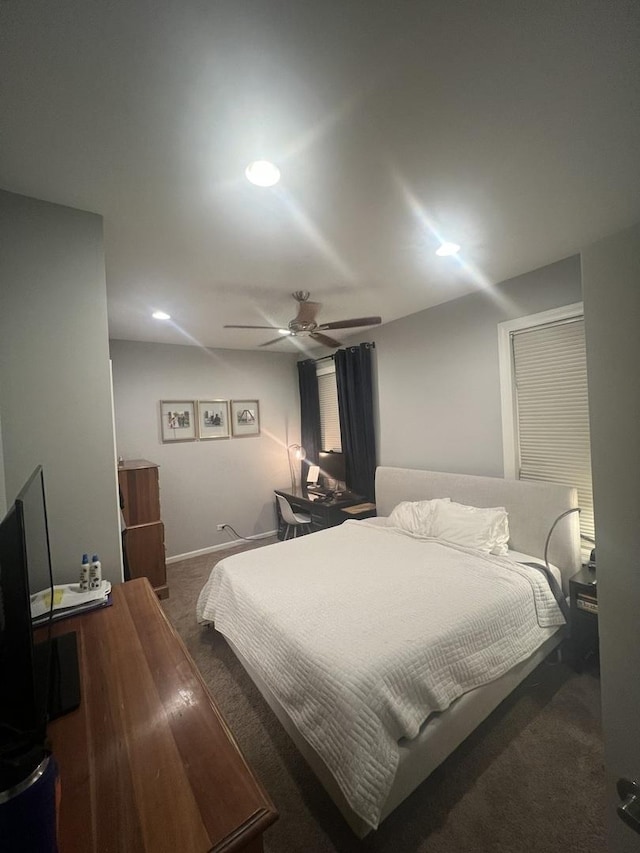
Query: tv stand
147,762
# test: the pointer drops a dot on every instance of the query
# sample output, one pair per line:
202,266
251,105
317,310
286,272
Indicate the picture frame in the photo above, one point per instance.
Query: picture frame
178,420
213,419
245,418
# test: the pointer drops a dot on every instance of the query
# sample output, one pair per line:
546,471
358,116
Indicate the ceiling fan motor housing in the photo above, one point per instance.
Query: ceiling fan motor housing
297,326
304,323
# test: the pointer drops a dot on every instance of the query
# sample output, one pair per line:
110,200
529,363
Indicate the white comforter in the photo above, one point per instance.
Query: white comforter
362,631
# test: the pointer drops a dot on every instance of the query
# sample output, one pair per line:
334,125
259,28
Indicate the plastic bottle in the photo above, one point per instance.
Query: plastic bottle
95,573
84,573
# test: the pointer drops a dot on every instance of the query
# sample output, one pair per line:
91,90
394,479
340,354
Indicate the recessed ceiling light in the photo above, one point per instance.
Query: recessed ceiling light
262,173
284,332
161,315
447,249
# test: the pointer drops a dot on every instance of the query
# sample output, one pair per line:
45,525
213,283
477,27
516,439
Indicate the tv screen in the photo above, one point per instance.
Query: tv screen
332,467
29,695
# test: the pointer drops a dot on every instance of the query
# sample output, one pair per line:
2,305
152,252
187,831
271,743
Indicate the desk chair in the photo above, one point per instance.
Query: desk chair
293,519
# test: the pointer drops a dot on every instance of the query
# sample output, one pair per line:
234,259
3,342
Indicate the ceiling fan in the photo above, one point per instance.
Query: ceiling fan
304,323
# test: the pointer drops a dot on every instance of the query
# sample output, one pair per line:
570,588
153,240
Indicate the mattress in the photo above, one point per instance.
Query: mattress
362,632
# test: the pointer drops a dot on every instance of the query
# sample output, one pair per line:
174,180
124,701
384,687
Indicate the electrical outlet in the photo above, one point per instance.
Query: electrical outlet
220,526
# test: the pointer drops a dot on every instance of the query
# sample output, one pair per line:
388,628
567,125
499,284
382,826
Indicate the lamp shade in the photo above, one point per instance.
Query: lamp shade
296,453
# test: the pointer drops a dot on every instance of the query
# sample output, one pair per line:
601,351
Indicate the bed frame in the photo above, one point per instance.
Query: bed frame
533,508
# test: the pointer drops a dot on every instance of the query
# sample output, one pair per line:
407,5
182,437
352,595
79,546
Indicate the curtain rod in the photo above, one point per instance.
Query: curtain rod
371,344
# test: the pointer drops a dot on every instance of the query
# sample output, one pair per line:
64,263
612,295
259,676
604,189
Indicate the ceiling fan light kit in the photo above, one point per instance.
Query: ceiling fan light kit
304,323
262,173
447,250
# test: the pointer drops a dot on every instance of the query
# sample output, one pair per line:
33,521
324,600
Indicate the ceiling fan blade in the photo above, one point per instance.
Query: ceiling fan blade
307,312
274,341
349,324
325,339
251,327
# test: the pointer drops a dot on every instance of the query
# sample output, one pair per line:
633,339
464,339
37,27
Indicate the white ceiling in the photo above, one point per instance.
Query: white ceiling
511,127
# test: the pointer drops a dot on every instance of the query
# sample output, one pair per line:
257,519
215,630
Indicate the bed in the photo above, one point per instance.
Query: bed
381,648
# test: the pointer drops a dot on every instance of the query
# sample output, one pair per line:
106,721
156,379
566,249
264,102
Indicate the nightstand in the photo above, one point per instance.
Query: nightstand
583,634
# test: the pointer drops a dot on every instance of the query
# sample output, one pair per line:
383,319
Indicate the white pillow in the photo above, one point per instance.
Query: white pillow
483,528
501,543
415,516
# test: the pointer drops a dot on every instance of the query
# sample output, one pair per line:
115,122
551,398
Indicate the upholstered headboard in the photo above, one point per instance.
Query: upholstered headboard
532,508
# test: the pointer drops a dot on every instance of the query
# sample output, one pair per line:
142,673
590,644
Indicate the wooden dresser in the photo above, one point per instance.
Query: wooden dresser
147,762
144,539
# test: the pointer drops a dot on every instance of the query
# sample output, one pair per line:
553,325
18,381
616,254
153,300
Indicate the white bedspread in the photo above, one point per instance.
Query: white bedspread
362,631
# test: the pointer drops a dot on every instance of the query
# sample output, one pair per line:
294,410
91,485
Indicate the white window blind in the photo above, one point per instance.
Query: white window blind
329,417
552,409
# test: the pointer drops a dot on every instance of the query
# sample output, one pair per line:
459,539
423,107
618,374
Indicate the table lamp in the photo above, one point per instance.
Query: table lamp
296,453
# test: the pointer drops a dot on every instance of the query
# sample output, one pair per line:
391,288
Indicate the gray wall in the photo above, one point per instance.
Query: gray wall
611,281
437,373
55,396
204,483
3,496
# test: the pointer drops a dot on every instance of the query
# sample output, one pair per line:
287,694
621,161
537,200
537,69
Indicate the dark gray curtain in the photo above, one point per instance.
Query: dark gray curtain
309,413
355,405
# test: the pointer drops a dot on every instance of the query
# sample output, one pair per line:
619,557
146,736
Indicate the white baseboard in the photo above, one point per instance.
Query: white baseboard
231,544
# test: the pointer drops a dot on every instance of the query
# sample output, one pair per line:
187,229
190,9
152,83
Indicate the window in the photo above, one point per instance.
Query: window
329,418
545,404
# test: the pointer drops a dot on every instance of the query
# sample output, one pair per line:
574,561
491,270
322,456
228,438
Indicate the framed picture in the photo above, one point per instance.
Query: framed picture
178,420
245,418
213,419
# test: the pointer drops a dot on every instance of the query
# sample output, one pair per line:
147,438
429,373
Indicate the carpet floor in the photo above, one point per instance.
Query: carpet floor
530,779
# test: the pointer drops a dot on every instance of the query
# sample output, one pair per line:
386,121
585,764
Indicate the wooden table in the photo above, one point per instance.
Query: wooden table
147,763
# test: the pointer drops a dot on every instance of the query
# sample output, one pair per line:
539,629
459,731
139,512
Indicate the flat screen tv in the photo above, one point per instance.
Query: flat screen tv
332,468
38,681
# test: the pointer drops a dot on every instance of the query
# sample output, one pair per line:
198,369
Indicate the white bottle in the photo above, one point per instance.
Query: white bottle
84,573
95,573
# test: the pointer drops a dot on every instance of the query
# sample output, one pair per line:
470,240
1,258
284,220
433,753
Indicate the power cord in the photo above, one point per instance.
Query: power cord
235,532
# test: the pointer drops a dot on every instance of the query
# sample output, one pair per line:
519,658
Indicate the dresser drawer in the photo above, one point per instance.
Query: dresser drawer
145,553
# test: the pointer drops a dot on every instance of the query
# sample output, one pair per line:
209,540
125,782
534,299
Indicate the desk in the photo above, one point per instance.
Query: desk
323,513
147,762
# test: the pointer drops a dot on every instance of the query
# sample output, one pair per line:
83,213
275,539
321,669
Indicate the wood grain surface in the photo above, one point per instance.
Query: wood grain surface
147,763
145,551
138,481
